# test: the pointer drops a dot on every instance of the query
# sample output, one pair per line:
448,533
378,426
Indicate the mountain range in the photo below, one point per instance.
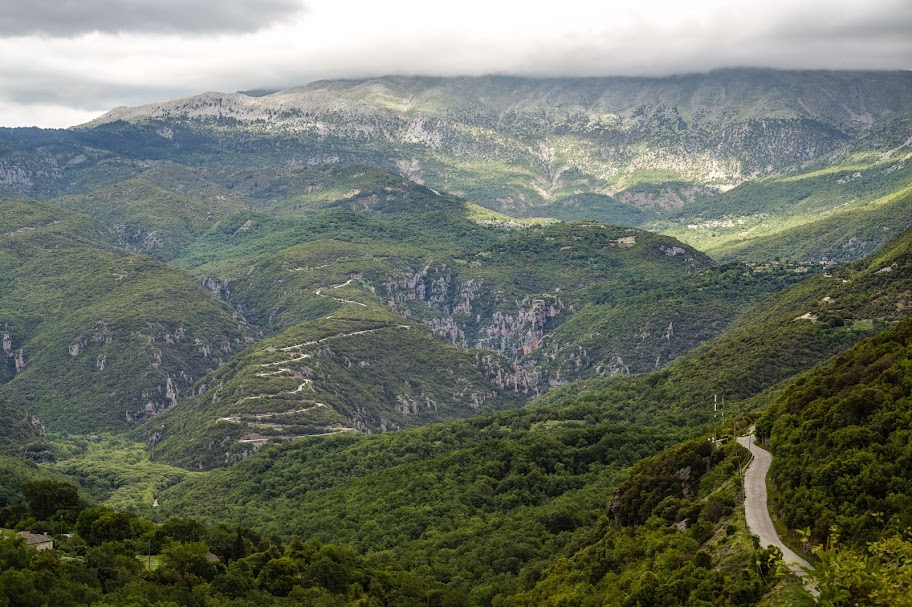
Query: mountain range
734,159
494,332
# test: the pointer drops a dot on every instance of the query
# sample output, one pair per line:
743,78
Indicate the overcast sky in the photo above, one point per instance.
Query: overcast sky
68,61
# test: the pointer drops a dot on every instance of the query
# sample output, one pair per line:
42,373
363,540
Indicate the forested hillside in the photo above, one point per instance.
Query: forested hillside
840,436
23,434
555,458
94,337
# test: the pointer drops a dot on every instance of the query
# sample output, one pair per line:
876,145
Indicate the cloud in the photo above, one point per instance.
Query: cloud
45,115
97,71
74,17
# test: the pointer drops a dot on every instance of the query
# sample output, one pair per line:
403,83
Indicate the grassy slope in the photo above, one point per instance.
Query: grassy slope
842,207
841,236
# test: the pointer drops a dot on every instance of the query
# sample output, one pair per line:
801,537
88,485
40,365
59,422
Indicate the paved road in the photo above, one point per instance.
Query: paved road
755,508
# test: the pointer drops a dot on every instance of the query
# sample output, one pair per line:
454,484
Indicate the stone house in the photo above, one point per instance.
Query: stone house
38,541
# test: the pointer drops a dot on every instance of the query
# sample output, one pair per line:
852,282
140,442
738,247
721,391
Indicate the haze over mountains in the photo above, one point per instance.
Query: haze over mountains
471,328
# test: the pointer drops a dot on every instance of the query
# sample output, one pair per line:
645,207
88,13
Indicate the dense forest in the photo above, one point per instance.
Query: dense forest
654,543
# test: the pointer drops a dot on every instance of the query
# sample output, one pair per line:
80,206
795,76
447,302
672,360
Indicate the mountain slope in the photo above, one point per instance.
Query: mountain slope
358,370
790,332
841,440
158,212
541,475
664,153
841,207
95,338
351,269
476,279
313,239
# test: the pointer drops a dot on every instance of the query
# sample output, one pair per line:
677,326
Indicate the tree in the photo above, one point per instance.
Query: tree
87,517
236,582
191,560
326,572
114,565
279,576
47,498
112,527
879,576
178,529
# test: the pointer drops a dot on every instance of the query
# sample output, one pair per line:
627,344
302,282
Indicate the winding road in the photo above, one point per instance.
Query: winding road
756,511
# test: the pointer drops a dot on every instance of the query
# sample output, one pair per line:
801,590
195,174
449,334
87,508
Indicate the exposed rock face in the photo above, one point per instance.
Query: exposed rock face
15,356
694,264
409,405
14,177
514,330
99,335
615,366
512,377
22,175
35,423
673,251
520,333
218,287
171,392
30,173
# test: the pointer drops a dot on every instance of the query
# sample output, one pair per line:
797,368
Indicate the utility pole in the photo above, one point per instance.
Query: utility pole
737,451
715,413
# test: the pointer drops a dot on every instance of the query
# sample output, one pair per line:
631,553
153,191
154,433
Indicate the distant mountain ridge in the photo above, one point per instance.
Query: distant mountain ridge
851,101
566,136
737,162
